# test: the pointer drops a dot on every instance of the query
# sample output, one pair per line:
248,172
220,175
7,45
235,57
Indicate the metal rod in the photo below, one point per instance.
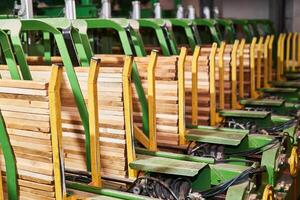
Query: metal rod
26,10
106,9
180,12
70,10
136,10
191,12
157,10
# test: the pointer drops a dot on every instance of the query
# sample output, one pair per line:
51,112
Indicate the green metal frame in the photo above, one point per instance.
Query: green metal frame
210,23
13,26
10,162
164,34
245,28
190,31
228,27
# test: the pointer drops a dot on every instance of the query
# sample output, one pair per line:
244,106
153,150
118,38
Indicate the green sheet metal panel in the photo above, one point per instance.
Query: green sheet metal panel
278,90
262,102
244,114
288,84
215,137
168,166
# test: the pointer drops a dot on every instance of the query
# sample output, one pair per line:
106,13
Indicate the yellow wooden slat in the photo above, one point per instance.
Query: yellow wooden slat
258,63
278,68
282,63
294,41
270,57
234,103
181,96
141,137
152,101
195,60
241,69
287,65
252,68
94,122
56,131
212,86
266,61
298,49
221,75
128,110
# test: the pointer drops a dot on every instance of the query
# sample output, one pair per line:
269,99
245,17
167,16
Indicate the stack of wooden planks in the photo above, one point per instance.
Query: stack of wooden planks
203,87
166,97
25,109
111,116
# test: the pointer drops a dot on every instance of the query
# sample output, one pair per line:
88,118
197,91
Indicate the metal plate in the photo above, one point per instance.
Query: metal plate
244,114
215,137
276,90
262,102
292,84
167,166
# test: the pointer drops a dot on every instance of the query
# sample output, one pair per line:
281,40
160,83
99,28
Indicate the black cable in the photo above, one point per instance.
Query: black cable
224,186
281,127
147,178
254,151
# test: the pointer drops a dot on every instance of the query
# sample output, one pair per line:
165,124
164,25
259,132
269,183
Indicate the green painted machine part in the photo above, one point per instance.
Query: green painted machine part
126,31
235,142
262,27
9,56
278,107
158,32
226,30
266,121
289,94
242,30
207,30
13,26
10,162
185,32
203,177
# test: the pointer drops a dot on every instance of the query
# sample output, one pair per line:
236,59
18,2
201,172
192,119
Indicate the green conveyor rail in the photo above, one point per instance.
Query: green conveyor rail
9,56
10,162
227,28
13,26
81,27
190,31
46,25
210,23
244,24
163,33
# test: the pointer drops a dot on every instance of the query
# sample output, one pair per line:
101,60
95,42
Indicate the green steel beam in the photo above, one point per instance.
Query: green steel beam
10,162
164,34
190,31
210,24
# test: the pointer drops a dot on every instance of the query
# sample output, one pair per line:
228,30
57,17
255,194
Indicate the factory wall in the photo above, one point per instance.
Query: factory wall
245,8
